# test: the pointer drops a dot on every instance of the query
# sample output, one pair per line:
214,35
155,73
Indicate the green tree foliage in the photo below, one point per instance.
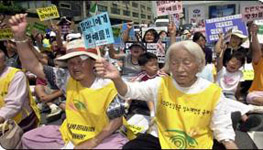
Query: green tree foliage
11,9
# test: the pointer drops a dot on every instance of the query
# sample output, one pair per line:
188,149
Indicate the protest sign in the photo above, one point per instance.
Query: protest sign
6,34
118,30
175,18
251,10
47,13
169,7
197,16
222,25
248,72
97,30
159,49
40,27
227,36
29,29
260,30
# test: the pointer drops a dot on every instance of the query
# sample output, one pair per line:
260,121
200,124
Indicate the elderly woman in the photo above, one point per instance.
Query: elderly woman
93,109
234,45
16,101
189,110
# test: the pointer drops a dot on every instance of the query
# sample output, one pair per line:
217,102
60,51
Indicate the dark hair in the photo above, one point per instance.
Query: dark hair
162,32
3,47
145,58
239,56
197,36
65,36
155,34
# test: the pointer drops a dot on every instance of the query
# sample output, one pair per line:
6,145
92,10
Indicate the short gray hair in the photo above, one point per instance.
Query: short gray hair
191,47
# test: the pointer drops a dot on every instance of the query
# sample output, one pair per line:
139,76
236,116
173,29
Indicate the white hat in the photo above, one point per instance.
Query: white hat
186,32
77,48
239,34
73,36
52,34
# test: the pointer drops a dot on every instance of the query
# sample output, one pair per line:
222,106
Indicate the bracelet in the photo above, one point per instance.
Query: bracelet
21,41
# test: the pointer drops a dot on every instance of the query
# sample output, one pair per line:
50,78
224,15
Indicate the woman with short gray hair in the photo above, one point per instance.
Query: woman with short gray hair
191,47
190,111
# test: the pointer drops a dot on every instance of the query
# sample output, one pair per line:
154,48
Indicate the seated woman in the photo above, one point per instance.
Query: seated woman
16,101
94,111
190,111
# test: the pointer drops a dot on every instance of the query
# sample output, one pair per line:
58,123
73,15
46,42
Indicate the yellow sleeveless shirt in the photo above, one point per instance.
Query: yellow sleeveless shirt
183,120
5,82
86,111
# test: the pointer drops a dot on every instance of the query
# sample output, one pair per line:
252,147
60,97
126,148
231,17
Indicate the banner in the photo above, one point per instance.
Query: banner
159,49
251,11
47,13
97,30
217,25
169,7
6,34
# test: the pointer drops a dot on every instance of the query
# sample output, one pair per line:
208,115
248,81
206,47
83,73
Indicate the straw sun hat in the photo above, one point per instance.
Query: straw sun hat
77,48
239,34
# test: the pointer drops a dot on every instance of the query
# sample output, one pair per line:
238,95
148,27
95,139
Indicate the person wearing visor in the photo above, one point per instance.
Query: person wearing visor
93,109
234,45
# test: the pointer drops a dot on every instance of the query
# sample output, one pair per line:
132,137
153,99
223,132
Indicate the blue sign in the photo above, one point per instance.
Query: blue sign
118,31
217,25
97,30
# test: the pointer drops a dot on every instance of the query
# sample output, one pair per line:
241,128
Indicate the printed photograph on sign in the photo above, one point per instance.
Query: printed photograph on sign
159,49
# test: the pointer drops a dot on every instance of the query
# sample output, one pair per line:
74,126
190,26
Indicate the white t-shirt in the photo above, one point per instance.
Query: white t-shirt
228,81
207,72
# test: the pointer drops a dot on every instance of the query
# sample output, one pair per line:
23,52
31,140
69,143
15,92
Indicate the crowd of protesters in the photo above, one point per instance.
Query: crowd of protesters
127,101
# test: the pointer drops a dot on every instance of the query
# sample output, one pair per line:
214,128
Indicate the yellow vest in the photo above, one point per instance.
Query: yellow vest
5,82
183,120
86,111
131,131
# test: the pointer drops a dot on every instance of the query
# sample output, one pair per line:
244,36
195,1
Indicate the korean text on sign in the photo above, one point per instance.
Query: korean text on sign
6,34
169,7
97,30
47,13
217,25
253,12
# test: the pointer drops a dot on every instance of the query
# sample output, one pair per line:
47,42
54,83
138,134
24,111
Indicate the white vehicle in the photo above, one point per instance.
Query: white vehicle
161,22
